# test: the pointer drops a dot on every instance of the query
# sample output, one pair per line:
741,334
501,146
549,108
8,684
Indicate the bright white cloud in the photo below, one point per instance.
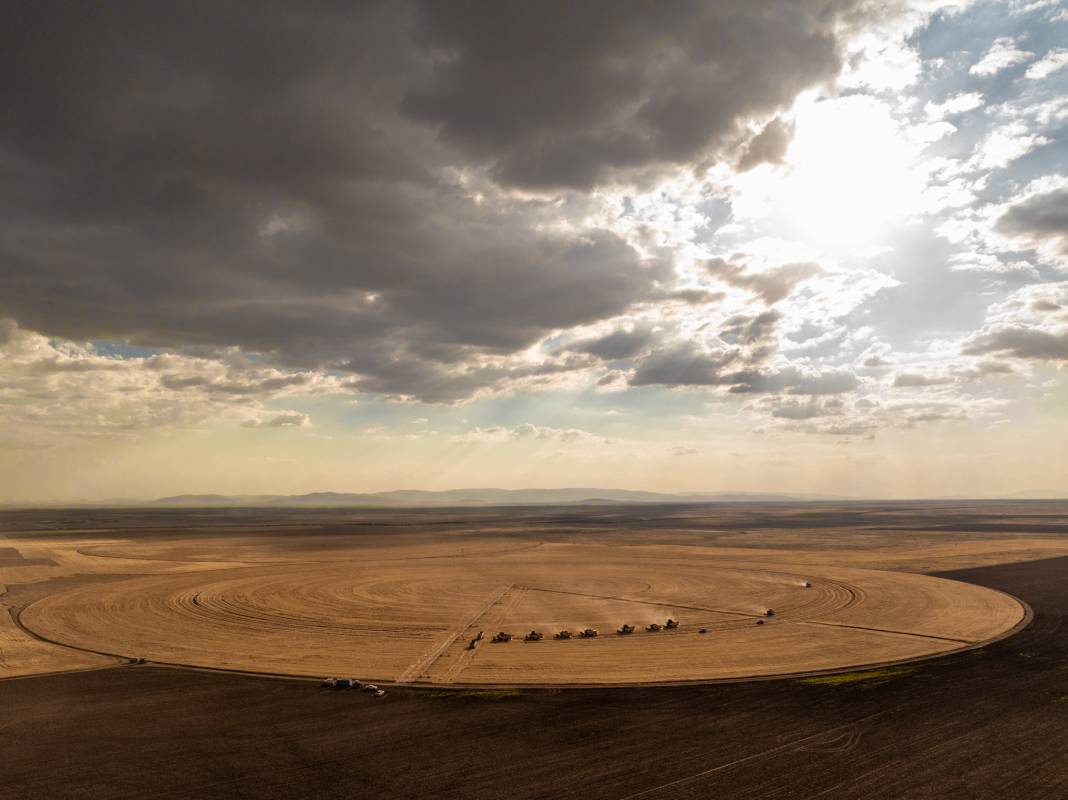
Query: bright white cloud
1053,61
54,390
287,419
957,104
1006,144
1003,53
525,432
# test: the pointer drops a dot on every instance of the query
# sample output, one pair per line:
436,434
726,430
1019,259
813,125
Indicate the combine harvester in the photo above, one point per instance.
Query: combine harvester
588,633
533,636
502,637
671,624
652,627
562,635
626,630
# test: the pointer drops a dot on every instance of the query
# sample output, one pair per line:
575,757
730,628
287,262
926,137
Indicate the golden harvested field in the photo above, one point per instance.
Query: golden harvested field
400,599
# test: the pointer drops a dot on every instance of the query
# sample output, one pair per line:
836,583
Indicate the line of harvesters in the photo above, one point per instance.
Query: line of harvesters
585,633
534,636
590,633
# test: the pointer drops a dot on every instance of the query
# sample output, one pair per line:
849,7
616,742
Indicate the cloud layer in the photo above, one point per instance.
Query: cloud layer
781,221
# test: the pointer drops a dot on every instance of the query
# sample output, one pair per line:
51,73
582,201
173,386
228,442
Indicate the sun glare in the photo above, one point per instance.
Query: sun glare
847,178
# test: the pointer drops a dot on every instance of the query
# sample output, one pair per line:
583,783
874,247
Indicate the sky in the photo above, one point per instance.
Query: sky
780,245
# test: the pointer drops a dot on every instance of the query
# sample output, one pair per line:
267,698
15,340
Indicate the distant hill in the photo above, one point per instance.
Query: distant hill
1038,494
412,498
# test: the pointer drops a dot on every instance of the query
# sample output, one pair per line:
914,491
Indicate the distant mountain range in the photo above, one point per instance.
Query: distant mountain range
471,497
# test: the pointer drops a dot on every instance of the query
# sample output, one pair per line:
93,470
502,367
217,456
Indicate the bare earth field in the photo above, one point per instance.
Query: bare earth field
396,596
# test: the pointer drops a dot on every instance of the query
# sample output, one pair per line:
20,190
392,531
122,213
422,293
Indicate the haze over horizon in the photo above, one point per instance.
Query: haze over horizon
797,246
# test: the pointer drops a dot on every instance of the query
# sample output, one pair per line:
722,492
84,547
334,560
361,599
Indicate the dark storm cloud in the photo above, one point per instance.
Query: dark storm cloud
743,366
915,380
801,410
768,146
771,285
1045,305
239,388
743,372
822,383
279,178
1020,342
750,330
1043,217
616,345
434,383
683,365
563,94
692,296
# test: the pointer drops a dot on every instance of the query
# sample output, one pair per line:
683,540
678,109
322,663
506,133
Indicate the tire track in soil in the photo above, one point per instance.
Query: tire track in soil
423,665
464,658
799,744
888,631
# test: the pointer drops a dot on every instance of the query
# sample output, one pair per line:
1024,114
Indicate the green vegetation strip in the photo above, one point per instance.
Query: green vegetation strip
872,677
484,694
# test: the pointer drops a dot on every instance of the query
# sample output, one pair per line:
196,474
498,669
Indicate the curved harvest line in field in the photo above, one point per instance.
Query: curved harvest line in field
412,620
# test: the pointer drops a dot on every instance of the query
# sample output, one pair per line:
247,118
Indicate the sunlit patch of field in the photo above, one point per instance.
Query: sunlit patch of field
408,615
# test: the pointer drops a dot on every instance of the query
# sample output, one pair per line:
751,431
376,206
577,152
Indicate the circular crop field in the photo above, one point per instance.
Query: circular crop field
413,619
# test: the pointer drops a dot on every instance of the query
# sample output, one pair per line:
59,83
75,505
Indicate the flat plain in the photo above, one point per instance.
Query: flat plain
397,596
